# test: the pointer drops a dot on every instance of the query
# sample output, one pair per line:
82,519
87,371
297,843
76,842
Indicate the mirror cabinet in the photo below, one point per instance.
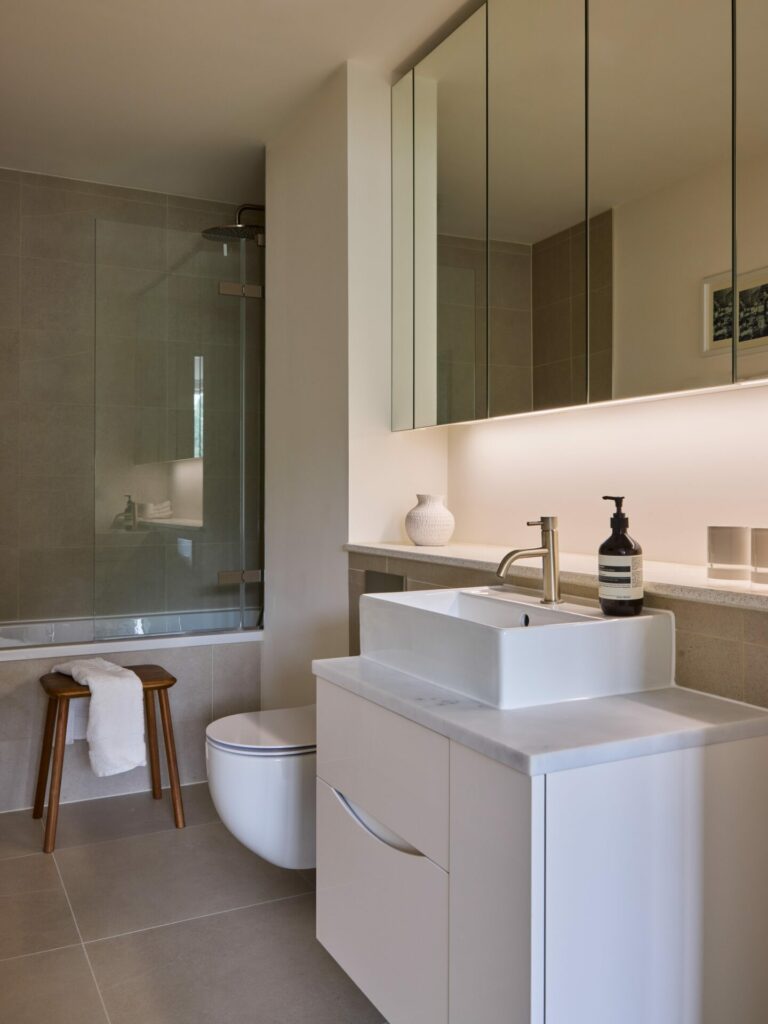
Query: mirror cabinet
570,182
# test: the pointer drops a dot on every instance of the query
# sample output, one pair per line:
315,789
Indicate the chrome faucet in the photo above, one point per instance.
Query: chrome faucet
549,554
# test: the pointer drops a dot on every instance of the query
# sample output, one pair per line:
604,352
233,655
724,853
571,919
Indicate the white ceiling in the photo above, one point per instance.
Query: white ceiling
180,95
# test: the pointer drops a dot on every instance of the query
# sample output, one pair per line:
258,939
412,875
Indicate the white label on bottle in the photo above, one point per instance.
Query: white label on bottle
620,577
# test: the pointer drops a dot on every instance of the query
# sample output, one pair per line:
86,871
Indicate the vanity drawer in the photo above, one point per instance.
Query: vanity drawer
382,913
396,770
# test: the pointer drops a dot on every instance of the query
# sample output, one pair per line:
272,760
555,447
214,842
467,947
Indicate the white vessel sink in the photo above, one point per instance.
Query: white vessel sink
507,649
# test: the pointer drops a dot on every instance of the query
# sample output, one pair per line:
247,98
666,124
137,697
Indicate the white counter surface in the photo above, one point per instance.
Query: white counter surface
668,579
553,737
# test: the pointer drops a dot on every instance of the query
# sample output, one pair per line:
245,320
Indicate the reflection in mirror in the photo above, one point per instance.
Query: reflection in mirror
402,253
450,332
752,188
660,301
536,205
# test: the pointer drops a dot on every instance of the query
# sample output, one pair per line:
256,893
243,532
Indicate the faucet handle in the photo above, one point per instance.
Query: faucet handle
545,522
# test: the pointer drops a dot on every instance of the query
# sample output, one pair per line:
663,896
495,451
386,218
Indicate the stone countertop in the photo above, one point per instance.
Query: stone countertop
553,737
667,579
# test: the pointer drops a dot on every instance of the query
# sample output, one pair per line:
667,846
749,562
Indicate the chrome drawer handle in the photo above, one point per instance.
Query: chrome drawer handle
375,828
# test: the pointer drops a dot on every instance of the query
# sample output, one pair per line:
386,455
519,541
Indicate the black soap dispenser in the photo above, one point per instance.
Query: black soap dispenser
620,567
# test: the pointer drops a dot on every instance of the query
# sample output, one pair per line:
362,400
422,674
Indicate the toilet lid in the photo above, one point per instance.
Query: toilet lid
284,729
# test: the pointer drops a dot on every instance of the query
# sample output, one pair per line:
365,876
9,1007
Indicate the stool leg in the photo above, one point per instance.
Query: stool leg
45,759
58,763
154,753
170,753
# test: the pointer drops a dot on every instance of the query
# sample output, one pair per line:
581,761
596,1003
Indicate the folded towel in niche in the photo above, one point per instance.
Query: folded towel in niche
115,730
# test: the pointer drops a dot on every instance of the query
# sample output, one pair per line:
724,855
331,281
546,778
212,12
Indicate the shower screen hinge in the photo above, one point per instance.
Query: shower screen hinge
234,577
241,291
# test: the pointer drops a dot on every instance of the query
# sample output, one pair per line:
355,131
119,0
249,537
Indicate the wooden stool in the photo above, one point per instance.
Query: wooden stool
61,689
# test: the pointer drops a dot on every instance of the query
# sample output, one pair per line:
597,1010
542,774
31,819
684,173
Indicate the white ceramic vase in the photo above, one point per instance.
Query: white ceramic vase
429,523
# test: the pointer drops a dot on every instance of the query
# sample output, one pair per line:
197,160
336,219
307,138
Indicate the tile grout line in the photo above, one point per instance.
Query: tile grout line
198,917
38,952
82,943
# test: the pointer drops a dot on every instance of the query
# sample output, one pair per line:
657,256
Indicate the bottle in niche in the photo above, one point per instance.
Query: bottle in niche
620,567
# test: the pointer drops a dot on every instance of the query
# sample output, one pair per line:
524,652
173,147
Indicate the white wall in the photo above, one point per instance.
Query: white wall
385,469
306,397
683,463
333,469
664,245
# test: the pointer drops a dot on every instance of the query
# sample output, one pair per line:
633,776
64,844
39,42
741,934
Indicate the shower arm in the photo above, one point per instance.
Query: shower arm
247,206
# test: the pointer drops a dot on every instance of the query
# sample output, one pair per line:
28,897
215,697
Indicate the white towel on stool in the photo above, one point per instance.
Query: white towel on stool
115,731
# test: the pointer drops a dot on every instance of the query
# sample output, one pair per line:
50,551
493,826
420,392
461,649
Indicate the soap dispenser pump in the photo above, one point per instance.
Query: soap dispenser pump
620,567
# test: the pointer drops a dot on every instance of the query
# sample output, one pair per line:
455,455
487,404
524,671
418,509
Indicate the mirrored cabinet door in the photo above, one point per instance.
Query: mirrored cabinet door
660,239
752,188
537,192
449,183
402,253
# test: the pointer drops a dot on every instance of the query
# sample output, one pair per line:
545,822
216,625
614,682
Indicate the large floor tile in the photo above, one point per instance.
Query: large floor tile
34,913
261,965
55,987
20,833
149,880
96,821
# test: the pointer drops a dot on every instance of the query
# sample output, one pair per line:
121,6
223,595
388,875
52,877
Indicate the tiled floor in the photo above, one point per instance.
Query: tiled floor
132,921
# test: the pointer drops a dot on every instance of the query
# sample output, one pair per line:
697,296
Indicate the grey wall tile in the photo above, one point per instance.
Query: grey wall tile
9,364
9,582
9,434
356,591
755,627
705,619
59,235
50,344
551,273
756,674
236,678
511,390
552,332
601,250
552,385
55,583
92,188
57,296
374,563
56,440
510,281
510,337
710,664
58,380
9,505
131,303
56,512
10,218
9,292
129,580
130,245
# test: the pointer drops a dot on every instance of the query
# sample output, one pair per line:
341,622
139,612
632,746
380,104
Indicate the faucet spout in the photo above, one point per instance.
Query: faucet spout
516,556
548,552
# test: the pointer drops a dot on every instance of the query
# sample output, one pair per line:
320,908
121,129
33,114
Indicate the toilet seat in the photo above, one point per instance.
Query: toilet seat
282,732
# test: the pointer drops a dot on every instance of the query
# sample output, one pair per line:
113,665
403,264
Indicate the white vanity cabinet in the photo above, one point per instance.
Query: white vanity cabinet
454,889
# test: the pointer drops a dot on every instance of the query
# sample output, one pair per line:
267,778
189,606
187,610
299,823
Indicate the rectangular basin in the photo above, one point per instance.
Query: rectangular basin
510,651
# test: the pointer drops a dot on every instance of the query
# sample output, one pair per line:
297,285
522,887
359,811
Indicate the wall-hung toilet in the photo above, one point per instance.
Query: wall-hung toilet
261,774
